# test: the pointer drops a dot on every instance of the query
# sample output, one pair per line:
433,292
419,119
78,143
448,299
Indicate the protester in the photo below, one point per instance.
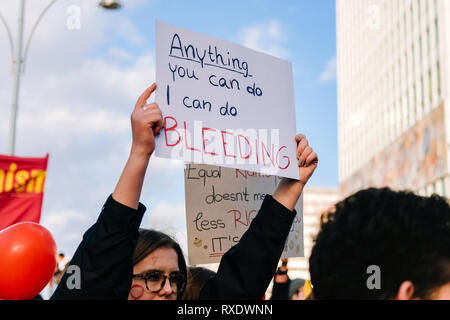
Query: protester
106,254
157,255
196,279
61,266
383,244
285,288
281,282
62,262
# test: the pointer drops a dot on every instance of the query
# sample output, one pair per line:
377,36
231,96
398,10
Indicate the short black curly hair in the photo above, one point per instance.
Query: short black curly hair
407,236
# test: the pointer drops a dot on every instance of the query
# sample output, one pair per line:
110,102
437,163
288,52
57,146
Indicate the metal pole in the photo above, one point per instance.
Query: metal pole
17,71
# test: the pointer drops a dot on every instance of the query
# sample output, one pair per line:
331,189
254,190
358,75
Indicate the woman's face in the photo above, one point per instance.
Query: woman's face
161,261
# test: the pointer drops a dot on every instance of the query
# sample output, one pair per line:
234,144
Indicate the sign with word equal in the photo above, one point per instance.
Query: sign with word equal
224,104
220,205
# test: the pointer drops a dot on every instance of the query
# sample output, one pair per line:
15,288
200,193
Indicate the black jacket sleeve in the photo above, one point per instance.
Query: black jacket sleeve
105,256
246,269
280,290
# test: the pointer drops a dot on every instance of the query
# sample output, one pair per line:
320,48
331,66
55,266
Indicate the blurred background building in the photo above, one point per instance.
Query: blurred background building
315,202
392,77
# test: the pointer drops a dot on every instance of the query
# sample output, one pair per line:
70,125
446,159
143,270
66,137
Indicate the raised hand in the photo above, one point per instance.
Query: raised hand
307,158
289,190
146,123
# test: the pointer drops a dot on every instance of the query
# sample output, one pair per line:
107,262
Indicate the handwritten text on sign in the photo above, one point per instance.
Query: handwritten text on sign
224,104
220,205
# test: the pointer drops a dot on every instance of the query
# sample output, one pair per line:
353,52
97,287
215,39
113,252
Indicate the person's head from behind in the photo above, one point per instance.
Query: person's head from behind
196,279
382,244
159,268
297,289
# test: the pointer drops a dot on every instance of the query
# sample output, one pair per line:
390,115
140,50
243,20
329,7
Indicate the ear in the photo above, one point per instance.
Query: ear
405,291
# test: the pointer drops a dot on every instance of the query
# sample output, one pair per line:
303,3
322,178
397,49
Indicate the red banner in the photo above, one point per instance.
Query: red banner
21,189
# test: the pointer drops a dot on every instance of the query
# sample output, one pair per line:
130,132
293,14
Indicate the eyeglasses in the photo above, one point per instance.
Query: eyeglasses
155,280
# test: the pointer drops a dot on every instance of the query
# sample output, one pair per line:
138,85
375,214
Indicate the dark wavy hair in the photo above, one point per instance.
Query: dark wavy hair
197,277
150,240
405,235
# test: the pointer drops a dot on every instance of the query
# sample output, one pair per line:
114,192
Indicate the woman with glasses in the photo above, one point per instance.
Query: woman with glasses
159,269
119,261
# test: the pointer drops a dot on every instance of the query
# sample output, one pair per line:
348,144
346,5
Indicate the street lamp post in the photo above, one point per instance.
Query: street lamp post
110,4
18,59
17,70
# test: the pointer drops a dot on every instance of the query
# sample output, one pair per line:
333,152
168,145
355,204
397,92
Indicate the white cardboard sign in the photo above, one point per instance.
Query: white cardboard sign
224,104
220,205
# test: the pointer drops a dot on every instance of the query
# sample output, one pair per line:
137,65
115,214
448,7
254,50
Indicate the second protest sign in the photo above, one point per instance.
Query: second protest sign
220,205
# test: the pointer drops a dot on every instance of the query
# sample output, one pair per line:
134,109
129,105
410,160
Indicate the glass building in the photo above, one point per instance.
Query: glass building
393,112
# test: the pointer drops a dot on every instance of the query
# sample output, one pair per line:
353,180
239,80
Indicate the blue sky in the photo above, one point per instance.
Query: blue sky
308,40
81,84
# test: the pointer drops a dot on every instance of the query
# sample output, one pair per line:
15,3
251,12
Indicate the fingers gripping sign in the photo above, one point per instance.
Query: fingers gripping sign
307,158
289,190
146,123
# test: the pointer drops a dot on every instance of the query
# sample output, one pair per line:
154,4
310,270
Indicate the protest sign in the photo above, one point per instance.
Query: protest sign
220,205
21,189
224,104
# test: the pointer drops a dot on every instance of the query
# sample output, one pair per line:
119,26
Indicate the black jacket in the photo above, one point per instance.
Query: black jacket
105,256
280,290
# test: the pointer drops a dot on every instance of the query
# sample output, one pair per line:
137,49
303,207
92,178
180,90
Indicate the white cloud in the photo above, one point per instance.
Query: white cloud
134,4
118,55
67,227
69,122
127,30
329,72
62,219
166,216
76,98
168,165
267,37
170,219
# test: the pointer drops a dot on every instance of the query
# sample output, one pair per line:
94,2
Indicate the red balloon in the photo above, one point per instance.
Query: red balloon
27,260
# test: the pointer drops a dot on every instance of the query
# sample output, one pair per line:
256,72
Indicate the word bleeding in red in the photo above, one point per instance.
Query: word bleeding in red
247,148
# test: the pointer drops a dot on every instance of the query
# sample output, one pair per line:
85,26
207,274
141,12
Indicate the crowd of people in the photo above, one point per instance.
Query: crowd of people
406,236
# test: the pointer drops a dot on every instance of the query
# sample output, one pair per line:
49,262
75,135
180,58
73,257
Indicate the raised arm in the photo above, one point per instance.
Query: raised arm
104,258
289,190
246,269
146,123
